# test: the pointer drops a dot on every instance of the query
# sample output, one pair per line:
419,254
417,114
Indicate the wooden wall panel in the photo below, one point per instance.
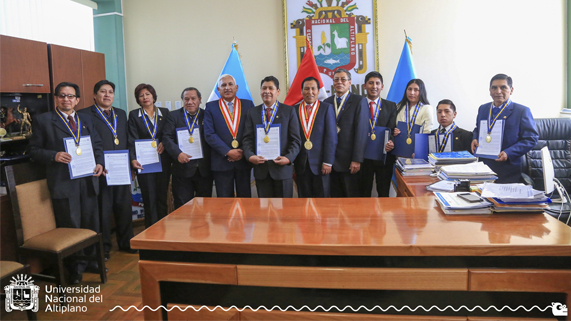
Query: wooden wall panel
354,278
203,314
262,315
66,66
24,66
93,69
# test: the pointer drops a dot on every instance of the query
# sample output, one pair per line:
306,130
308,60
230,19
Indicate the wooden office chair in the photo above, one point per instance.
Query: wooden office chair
8,269
36,226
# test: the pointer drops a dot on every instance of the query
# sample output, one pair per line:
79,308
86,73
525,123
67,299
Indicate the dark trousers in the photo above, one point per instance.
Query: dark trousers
186,188
78,212
115,201
345,184
382,172
154,189
311,185
227,180
269,187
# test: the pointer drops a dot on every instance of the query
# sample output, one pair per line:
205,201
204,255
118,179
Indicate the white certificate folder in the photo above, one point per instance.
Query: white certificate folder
148,156
272,149
494,147
118,167
81,165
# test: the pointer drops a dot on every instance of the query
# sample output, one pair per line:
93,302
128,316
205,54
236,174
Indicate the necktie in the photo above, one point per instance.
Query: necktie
442,131
107,112
372,107
307,109
495,112
338,101
231,107
268,113
72,123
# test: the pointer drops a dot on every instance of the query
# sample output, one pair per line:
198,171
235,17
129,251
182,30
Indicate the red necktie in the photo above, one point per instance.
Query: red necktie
72,123
107,112
372,104
307,109
268,114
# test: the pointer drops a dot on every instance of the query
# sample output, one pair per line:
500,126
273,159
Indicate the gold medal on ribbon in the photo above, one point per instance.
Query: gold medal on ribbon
338,129
191,139
116,141
488,139
78,151
154,144
235,144
308,145
266,139
409,141
373,136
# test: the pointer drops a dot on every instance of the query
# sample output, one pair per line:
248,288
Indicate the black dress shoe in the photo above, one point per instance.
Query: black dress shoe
107,256
75,278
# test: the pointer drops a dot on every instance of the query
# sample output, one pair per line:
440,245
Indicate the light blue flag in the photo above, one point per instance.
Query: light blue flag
233,67
404,73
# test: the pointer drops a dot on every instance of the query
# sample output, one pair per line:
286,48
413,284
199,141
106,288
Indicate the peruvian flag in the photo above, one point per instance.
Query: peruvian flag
307,68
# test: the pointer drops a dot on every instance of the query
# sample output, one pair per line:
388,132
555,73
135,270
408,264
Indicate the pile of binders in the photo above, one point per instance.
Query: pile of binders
461,203
476,172
451,158
414,167
507,198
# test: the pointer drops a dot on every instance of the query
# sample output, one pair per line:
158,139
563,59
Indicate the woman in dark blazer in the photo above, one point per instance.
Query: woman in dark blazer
142,122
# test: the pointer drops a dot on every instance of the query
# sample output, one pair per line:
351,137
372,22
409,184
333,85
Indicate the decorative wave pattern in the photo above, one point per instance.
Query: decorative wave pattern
362,307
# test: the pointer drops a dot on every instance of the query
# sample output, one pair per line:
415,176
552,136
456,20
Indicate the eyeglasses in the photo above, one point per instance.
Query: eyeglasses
64,96
343,80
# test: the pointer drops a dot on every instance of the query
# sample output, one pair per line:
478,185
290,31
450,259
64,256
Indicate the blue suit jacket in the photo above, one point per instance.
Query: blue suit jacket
324,140
520,136
175,120
352,139
290,141
47,140
219,138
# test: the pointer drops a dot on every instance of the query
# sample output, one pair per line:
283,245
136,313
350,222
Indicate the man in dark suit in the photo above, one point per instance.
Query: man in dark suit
319,137
190,177
519,133
273,176
111,125
460,138
352,115
385,112
74,200
224,121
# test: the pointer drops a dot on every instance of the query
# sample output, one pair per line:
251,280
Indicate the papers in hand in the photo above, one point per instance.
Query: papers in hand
193,149
80,165
492,148
117,166
271,149
147,156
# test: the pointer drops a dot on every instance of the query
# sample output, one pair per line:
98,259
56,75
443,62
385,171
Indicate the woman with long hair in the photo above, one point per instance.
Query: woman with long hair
415,106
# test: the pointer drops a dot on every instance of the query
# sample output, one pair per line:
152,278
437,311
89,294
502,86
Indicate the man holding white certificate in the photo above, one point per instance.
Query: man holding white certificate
272,141
505,131
115,187
183,139
74,194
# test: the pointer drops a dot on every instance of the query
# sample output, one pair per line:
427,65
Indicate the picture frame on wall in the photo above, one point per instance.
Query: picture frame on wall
342,34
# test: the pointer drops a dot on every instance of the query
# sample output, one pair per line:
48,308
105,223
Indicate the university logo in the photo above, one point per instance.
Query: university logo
22,294
337,35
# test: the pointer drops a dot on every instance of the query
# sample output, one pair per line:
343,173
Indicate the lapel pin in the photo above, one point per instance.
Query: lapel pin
505,117
456,137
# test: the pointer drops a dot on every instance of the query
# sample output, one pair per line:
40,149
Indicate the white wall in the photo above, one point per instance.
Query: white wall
458,45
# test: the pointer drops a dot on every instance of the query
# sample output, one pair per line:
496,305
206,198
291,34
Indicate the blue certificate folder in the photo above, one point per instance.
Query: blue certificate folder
501,144
375,149
120,151
154,167
421,146
71,176
403,149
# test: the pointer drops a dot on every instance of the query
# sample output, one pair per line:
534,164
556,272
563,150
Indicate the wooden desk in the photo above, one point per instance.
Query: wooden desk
224,251
413,186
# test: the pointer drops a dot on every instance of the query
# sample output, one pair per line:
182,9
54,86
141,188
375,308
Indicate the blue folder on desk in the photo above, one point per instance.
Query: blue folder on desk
375,149
403,149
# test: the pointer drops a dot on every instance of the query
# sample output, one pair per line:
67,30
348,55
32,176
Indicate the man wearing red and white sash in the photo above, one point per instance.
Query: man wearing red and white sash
319,140
223,130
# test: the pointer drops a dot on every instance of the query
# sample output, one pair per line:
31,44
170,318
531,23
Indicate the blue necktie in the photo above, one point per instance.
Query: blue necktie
495,111
338,101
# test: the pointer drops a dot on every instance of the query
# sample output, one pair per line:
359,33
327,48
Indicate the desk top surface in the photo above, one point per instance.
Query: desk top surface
351,226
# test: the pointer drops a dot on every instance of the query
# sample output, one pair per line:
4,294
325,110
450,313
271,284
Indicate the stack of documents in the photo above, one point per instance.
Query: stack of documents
476,172
414,167
440,159
514,198
451,203
441,186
